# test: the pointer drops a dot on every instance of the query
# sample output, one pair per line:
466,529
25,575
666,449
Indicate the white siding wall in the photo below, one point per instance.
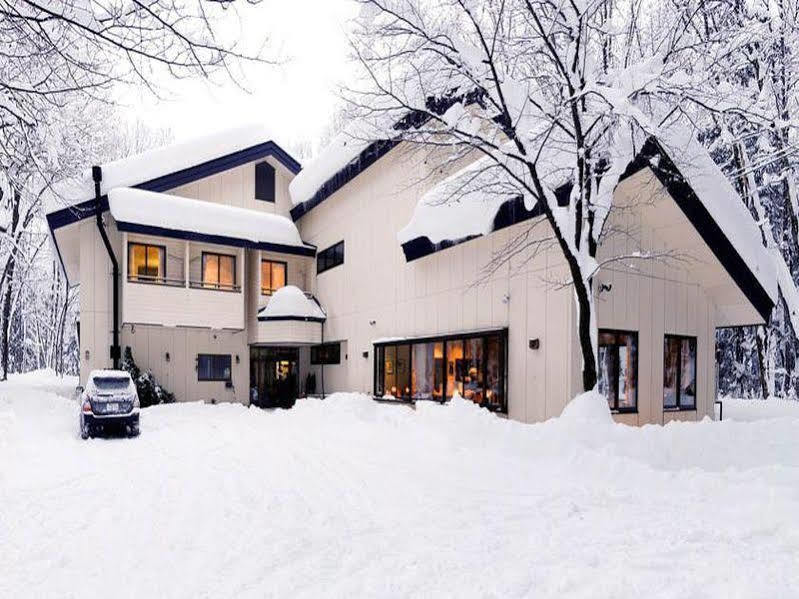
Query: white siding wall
448,292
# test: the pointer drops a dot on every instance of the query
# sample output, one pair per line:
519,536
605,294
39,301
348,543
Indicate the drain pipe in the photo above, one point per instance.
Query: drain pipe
322,365
97,175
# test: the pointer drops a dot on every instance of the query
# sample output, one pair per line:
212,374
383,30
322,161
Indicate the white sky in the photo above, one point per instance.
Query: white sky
294,100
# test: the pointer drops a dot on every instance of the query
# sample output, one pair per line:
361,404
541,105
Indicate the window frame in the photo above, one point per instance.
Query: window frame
135,278
678,406
324,263
501,334
214,357
315,361
218,286
261,272
615,409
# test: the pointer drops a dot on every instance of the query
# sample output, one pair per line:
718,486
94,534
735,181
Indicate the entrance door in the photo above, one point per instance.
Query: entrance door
274,375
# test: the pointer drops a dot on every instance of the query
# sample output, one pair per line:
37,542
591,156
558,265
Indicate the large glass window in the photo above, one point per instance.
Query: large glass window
679,373
473,366
213,367
427,376
618,369
219,271
273,276
146,262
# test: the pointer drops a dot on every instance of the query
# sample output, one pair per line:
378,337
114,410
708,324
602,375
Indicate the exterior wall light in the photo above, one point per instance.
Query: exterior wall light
87,354
167,356
535,343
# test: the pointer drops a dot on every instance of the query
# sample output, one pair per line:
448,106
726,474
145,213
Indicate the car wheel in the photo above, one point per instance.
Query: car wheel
133,431
84,434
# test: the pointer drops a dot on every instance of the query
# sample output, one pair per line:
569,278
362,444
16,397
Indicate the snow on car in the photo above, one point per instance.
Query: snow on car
108,404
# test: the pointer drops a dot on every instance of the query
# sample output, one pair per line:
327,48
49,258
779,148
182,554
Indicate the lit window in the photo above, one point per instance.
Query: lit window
273,276
679,373
219,271
146,262
618,369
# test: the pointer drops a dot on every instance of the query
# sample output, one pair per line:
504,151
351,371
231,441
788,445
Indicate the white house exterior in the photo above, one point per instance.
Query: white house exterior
205,234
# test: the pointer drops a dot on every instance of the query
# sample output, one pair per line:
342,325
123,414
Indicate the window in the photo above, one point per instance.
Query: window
264,182
679,373
219,271
146,262
273,276
332,256
618,369
473,366
213,367
328,353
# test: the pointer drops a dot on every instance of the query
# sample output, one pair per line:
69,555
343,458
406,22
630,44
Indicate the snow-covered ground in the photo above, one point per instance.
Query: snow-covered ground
348,497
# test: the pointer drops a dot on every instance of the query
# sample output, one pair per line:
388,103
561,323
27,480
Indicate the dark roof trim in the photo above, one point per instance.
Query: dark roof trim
71,214
294,318
215,239
510,213
377,149
722,247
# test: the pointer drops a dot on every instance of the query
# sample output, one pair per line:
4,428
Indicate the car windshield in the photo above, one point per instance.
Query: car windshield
111,383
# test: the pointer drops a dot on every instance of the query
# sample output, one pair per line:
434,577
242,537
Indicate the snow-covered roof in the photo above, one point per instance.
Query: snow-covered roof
345,148
174,213
158,162
291,303
721,200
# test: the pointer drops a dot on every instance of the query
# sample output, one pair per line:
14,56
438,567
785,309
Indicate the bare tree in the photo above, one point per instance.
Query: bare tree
544,98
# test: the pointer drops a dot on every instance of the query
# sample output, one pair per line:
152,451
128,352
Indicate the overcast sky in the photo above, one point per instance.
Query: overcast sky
294,100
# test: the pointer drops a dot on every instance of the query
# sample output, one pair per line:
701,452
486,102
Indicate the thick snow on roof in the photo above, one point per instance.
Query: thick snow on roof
166,211
291,302
721,200
462,205
344,148
159,162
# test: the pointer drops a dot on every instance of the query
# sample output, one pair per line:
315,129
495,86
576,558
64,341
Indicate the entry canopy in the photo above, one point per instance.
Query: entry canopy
291,303
149,212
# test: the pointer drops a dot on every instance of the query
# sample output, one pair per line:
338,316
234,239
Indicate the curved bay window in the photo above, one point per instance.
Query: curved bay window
471,365
618,369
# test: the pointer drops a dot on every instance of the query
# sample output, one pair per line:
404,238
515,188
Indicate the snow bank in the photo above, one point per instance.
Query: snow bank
748,410
167,211
347,497
291,302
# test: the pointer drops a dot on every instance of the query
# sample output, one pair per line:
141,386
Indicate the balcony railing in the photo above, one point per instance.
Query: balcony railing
214,286
175,282
168,282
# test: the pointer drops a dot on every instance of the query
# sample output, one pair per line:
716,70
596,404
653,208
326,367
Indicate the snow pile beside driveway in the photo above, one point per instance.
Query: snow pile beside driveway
347,497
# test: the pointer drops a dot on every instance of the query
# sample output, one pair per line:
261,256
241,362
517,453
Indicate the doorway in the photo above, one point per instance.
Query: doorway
274,376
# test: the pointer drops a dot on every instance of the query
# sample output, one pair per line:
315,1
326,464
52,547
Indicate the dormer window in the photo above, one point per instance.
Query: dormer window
264,182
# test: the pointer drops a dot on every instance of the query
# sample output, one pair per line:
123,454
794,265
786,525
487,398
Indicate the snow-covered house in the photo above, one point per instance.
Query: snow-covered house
240,273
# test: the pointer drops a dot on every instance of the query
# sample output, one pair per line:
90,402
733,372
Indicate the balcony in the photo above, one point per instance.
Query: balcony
156,288
291,317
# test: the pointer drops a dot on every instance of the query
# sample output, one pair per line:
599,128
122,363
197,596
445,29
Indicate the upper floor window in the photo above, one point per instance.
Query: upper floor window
618,369
146,262
264,182
213,367
273,276
679,373
332,256
327,353
219,271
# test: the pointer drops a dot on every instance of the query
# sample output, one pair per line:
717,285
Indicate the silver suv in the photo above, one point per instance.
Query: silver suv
109,403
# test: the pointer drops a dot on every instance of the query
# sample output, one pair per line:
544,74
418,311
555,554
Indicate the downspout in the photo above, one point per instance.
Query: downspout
322,365
97,175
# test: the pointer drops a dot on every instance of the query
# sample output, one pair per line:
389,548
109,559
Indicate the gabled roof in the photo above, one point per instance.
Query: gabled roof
140,211
167,167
